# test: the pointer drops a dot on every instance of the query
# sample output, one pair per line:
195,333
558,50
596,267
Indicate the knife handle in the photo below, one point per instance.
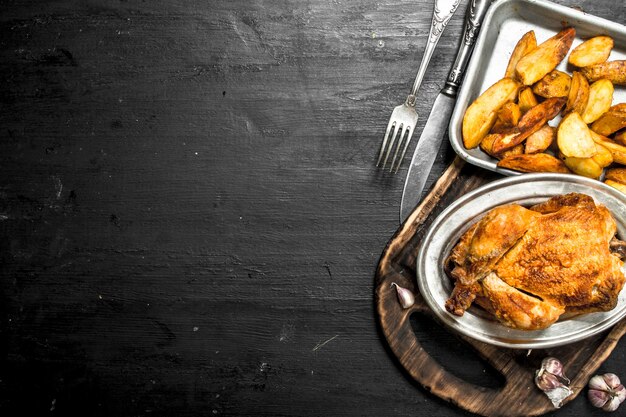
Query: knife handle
473,19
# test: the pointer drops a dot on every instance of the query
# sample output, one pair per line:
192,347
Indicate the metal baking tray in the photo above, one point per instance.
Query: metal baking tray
505,23
446,230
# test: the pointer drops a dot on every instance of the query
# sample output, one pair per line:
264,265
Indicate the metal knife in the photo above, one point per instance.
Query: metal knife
439,118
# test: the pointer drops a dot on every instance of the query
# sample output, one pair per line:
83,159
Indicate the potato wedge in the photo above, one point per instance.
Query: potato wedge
573,137
618,152
616,174
530,122
591,52
614,71
600,99
603,157
578,94
536,162
555,84
586,167
487,144
620,137
526,44
540,140
611,121
543,59
526,99
617,185
507,117
481,114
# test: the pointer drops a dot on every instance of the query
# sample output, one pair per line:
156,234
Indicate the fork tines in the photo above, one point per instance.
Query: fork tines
400,132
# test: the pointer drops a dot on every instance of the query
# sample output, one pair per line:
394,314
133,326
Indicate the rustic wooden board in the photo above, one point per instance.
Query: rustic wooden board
518,396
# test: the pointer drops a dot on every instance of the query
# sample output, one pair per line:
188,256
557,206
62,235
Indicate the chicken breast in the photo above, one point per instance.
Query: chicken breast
529,266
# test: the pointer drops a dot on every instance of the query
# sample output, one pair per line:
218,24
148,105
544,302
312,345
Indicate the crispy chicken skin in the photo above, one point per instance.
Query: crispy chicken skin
529,266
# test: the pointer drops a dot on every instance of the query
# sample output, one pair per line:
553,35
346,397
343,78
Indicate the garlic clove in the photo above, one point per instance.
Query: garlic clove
598,397
611,380
598,383
612,404
552,381
546,381
552,365
406,297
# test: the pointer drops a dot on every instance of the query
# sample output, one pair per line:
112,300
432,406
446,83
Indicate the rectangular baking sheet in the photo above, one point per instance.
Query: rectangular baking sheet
505,23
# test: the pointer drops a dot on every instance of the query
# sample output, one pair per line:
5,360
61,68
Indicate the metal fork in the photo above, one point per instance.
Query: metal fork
404,117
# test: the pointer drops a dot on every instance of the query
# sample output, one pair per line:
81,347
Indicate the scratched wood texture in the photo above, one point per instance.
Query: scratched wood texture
190,219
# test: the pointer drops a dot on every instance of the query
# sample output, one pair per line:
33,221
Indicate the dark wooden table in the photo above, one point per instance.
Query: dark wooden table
190,217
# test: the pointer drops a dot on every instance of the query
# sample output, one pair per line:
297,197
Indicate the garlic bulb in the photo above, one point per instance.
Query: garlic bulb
551,379
406,297
606,392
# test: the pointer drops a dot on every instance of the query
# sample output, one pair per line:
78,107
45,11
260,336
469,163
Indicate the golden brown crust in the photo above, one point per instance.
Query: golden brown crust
529,266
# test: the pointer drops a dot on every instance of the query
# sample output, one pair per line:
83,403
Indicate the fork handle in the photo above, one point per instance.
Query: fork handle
473,19
443,11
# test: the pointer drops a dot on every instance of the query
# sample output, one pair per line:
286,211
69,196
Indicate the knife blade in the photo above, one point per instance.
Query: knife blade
434,131
425,153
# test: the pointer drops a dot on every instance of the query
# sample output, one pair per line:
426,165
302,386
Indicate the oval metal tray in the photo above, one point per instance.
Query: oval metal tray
444,233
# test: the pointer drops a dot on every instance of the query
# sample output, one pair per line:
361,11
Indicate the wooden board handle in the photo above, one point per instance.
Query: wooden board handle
396,325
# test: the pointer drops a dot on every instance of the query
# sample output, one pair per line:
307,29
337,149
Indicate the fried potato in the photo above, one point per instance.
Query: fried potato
600,99
590,167
617,185
536,162
592,51
603,157
526,99
507,117
530,122
481,114
526,44
620,137
578,94
555,84
540,140
543,59
573,137
618,152
611,121
614,71
616,174
586,167
487,144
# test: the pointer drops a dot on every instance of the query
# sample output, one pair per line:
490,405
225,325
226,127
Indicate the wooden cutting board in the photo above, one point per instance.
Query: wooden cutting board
518,396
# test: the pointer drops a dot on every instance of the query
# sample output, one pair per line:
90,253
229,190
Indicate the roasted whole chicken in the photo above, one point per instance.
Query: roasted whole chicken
529,266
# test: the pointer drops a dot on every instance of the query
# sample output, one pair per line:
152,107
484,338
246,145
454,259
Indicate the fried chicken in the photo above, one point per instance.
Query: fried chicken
528,266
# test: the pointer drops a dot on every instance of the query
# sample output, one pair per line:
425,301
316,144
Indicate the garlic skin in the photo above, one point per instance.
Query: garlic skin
559,394
606,392
406,297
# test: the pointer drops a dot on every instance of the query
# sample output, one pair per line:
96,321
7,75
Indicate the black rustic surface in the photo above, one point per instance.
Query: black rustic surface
190,217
